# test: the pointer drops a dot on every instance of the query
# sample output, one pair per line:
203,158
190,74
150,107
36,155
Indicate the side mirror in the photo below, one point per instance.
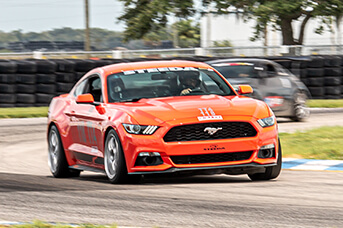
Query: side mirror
85,99
245,89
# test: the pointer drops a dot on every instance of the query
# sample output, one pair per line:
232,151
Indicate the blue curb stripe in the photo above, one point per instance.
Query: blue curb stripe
336,167
311,164
292,163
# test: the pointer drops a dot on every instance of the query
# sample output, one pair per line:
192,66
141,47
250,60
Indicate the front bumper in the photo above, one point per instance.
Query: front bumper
133,145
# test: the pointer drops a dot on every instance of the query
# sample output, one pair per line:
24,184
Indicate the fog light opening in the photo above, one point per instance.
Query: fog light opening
267,151
148,159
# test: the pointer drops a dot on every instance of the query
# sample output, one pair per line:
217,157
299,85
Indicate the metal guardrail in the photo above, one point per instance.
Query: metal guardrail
299,50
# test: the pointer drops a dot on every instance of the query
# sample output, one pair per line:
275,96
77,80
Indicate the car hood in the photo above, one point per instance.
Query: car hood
160,110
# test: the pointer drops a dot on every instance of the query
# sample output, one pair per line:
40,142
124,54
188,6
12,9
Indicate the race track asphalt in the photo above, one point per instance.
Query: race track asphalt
298,198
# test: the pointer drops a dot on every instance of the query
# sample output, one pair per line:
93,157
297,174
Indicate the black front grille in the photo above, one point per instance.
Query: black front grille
210,158
197,132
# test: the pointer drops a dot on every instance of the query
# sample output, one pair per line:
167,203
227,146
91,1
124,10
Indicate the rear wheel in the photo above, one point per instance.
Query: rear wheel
270,172
114,160
301,111
57,160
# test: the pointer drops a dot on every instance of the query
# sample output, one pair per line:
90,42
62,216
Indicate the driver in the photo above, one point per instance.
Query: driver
190,81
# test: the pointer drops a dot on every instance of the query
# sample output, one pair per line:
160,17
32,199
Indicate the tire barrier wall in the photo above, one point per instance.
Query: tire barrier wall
32,82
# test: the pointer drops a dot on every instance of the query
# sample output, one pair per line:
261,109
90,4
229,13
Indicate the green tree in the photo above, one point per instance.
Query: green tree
142,16
188,33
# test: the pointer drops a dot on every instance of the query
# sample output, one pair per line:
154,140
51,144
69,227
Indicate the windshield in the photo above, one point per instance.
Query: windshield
236,70
165,82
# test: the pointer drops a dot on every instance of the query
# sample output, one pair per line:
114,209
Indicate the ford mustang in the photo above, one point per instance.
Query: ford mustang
133,119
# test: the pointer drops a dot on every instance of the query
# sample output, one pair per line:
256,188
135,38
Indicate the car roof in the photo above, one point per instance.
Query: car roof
120,67
250,60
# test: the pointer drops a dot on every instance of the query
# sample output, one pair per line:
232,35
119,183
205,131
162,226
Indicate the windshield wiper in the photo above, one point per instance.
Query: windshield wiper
134,99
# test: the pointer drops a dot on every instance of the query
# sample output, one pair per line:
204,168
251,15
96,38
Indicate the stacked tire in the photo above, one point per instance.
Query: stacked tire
45,82
315,77
26,83
65,76
8,87
332,77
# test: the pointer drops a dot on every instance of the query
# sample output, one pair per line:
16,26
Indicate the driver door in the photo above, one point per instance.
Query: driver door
86,124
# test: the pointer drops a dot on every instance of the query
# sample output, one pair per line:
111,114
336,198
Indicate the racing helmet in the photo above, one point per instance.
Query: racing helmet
187,78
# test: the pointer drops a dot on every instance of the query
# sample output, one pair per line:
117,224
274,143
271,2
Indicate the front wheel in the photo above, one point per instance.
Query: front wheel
57,160
270,172
114,160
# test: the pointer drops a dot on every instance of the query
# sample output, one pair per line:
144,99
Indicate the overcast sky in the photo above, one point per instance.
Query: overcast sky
42,15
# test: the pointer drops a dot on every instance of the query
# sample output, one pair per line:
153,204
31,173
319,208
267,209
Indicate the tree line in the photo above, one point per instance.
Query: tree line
188,35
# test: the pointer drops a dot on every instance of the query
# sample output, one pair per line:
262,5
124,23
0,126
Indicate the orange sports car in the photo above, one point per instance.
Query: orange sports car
134,119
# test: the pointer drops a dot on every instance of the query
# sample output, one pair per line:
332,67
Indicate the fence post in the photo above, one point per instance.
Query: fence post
37,55
116,54
200,51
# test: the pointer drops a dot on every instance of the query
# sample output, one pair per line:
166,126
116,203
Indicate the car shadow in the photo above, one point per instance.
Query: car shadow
89,182
284,120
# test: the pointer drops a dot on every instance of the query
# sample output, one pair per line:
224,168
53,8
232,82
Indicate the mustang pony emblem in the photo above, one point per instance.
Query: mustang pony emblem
212,130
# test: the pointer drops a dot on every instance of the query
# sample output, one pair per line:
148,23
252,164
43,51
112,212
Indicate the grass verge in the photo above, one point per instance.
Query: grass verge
27,112
325,103
322,143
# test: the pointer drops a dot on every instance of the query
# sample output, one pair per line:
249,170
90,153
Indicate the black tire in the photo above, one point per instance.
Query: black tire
64,65
8,98
7,88
26,98
332,81
23,88
65,77
63,87
332,71
46,78
332,97
7,66
315,82
56,157
332,61
114,161
300,73
299,64
79,75
332,90
8,78
46,88
316,62
270,172
26,66
26,78
42,98
315,72
45,66
7,105
83,65
317,91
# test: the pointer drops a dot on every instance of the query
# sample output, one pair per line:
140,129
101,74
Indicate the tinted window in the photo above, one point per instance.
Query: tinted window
164,82
236,70
90,85
80,88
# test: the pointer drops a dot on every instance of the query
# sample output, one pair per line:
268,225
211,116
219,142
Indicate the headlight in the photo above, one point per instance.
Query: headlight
140,129
267,122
